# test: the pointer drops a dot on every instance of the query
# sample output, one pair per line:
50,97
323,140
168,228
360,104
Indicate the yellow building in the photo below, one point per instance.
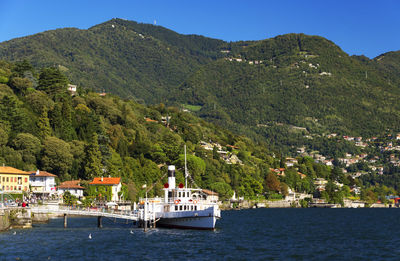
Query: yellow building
13,180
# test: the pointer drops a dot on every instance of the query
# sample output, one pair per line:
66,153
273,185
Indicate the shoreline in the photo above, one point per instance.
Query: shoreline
254,204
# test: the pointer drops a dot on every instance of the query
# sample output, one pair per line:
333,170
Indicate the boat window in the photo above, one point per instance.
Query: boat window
191,207
176,208
185,207
188,194
195,207
170,194
180,207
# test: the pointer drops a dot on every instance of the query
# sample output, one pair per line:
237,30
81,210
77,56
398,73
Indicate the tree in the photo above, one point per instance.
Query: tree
92,163
4,130
20,84
224,190
52,81
272,183
56,156
196,167
69,199
29,146
21,67
44,125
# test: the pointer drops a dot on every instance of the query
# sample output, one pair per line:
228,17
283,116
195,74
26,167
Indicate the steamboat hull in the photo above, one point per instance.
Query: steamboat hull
201,223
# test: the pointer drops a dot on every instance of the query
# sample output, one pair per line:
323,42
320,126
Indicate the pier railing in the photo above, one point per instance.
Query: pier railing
81,211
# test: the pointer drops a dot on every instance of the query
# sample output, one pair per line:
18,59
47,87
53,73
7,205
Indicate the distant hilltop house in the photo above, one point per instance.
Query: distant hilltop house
320,184
290,162
103,93
42,183
106,188
72,89
73,186
278,172
13,180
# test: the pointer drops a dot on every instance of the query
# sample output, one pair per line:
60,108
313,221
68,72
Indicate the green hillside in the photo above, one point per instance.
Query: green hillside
295,80
86,135
276,90
126,58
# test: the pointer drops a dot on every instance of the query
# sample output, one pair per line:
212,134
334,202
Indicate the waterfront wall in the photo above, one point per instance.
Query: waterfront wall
4,219
21,217
15,217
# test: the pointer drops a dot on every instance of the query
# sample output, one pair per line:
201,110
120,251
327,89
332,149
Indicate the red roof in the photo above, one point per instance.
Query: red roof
11,170
105,181
71,184
42,174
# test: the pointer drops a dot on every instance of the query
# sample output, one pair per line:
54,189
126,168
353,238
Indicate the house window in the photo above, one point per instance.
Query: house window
19,180
19,188
7,188
26,180
25,188
7,179
15,187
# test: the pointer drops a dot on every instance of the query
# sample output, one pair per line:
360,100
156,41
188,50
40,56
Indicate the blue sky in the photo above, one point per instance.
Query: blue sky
358,27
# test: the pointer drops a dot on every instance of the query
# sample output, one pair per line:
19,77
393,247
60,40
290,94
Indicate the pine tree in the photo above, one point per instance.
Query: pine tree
52,81
44,125
68,132
92,164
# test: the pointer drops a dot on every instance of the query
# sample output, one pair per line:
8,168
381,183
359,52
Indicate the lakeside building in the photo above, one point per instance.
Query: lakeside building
13,180
72,186
106,188
42,183
211,195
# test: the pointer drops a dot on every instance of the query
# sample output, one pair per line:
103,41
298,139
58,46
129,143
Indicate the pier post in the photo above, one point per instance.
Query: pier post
145,225
65,220
99,222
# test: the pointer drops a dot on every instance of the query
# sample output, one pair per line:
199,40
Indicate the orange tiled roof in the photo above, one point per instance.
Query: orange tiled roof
42,174
71,184
209,192
11,170
105,181
150,120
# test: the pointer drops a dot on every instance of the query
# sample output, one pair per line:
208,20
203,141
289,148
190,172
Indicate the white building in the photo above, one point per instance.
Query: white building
42,183
211,195
72,89
72,186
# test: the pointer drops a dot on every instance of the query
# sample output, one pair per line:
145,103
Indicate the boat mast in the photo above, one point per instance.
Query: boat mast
186,174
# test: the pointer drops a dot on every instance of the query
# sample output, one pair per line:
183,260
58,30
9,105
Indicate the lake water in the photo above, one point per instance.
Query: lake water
256,234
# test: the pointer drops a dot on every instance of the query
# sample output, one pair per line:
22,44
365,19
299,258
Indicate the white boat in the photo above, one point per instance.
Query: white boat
183,207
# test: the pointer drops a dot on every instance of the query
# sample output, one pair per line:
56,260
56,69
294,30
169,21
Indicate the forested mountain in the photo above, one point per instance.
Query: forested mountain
123,57
87,135
276,90
82,135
